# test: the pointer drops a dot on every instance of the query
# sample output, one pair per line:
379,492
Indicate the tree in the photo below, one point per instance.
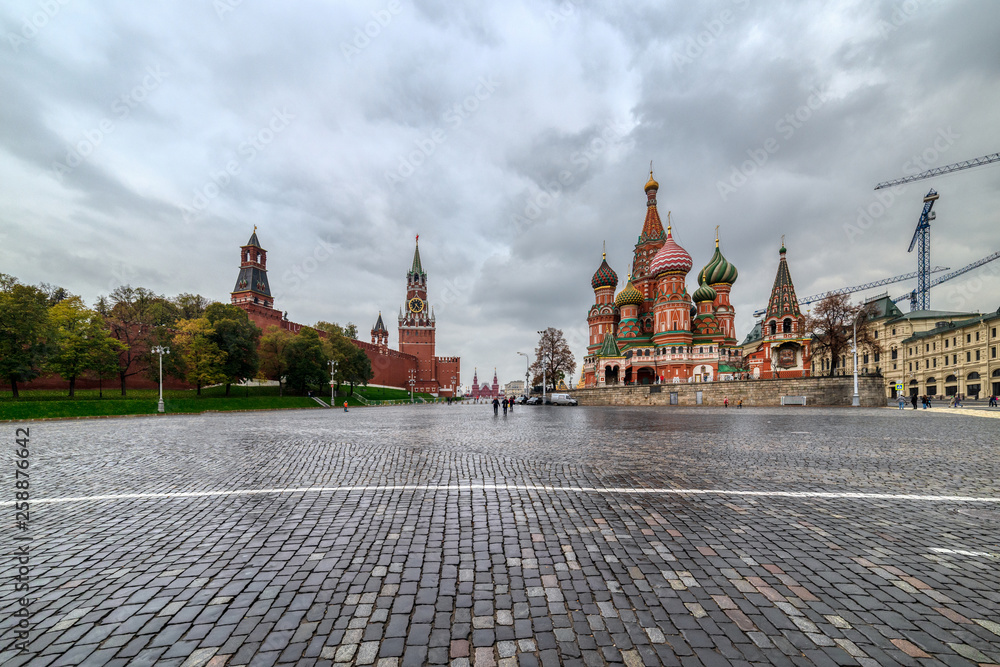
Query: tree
133,314
832,328
306,361
553,356
204,361
55,294
273,362
238,337
350,331
190,306
25,331
81,341
358,367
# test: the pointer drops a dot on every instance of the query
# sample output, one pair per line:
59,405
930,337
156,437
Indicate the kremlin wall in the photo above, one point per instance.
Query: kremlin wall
415,360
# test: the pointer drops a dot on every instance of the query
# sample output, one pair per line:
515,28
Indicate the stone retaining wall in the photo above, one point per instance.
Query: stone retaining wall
827,391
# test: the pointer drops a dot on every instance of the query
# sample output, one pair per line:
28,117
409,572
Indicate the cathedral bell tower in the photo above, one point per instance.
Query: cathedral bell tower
416,322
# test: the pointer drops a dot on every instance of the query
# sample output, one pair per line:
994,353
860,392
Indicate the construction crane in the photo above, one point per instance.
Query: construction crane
938,171
859,288
922,239
948,276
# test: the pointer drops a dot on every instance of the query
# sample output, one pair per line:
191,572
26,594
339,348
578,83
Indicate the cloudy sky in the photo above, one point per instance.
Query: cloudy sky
140,143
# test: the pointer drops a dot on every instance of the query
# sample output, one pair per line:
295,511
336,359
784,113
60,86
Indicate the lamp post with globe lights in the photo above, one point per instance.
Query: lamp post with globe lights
160,350
333,370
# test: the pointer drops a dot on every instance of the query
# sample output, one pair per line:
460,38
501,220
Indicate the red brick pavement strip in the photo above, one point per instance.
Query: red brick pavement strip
952,615
909,649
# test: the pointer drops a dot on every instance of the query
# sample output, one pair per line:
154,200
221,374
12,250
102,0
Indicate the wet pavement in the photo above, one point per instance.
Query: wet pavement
443,535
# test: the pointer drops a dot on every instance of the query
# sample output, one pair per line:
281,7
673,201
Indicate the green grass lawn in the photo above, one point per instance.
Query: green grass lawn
36,404
48,403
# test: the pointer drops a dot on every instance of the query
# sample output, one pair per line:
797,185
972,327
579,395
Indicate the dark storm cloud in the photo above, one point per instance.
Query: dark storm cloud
514,138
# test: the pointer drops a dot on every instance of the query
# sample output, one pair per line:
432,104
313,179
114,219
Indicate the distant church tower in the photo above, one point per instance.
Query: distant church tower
417,327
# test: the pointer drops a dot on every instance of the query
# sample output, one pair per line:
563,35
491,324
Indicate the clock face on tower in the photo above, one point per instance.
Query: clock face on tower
415,305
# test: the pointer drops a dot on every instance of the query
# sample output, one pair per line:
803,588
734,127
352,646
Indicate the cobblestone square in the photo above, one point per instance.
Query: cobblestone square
576,536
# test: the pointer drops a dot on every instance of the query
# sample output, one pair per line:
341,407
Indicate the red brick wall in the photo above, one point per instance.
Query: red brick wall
391,368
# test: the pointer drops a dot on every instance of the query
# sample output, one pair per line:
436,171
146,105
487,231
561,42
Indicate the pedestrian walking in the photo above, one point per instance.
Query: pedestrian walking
505,407
725,402
739,404
345,406
512,401
496,406
913,400
902,402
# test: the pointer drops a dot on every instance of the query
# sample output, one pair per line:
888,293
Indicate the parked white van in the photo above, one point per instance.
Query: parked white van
562,399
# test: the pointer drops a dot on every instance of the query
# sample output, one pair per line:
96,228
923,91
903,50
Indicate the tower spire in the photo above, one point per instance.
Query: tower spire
417,267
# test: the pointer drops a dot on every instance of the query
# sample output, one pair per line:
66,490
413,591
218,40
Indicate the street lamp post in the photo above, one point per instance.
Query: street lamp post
543,370
454,393
527,370
333,369
413,381
160,350
856,399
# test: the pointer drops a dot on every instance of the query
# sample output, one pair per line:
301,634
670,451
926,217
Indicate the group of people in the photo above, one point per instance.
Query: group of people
925,401
725,402
506,403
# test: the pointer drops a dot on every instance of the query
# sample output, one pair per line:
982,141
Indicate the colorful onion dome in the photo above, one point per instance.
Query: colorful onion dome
719,270
703,293
605,276
629,296
671,258
651,184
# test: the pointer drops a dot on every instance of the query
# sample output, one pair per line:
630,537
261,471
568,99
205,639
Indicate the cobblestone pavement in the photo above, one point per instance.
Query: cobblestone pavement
552,536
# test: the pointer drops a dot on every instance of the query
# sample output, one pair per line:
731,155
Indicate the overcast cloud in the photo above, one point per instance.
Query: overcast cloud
142,142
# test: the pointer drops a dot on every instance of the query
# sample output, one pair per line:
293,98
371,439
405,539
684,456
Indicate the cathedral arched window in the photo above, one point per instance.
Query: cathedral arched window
773,326
786,326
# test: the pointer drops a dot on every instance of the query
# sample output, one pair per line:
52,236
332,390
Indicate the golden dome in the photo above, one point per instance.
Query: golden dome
651,184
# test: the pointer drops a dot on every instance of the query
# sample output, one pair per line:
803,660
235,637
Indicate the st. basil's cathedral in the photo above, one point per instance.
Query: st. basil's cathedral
650,333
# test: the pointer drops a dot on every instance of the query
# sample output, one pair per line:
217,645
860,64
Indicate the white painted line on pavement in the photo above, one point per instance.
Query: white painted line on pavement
961,552
845,495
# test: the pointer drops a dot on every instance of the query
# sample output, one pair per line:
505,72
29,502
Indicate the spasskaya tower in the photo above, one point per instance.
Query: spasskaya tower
416,318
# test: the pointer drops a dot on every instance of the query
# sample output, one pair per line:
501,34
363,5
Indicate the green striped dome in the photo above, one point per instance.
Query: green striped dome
719,270
704,293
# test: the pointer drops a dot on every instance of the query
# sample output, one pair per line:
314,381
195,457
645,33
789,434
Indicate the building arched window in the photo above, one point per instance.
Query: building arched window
773,327
786,326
